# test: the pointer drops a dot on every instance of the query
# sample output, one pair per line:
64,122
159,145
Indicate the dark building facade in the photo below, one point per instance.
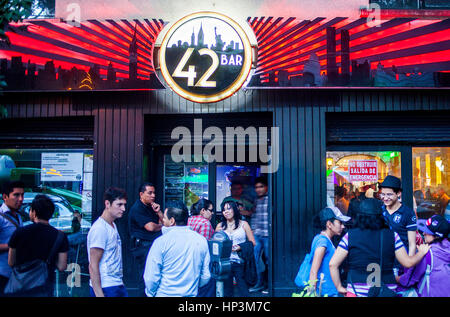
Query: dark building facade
120,129
335,89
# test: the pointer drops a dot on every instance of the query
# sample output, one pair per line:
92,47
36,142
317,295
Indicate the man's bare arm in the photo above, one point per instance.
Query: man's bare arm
153,227
94,270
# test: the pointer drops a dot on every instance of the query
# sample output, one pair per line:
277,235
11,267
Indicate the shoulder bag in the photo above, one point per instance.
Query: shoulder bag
33,274
9,219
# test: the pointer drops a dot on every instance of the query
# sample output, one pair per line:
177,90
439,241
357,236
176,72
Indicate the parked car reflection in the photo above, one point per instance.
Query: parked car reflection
62,217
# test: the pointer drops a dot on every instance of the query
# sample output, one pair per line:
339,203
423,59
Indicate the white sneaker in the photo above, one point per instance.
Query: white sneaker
256,288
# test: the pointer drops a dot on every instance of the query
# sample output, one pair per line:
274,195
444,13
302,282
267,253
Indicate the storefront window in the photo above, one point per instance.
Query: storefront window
350,174
66,177
431,177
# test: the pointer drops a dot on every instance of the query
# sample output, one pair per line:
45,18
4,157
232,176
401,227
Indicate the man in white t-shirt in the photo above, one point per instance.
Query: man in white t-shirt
105,248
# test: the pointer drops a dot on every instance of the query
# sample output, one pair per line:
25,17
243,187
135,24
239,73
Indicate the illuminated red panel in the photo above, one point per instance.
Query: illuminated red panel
288,47
271,27
148,28
92,37
436,57
358,29
278,33
259,24
70,40
96,49
391,31
409,43
291,48
100,30
125,31
138,36
264,28
291,64
17,39
107,34
283,53
143,57
341,24
127,28
96,39
297,53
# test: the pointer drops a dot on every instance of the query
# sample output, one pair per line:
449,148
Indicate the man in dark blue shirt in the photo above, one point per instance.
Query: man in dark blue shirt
144,223
400,218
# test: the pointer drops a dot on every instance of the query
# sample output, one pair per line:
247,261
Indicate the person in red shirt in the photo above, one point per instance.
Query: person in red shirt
200,220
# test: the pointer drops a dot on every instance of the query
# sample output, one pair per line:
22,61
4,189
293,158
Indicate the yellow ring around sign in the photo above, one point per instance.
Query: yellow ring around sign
235,86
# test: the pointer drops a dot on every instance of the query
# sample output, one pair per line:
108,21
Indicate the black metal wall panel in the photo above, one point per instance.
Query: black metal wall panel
418,127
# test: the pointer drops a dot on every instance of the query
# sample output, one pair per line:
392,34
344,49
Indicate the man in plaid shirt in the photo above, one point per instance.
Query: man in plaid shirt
199,221
202,212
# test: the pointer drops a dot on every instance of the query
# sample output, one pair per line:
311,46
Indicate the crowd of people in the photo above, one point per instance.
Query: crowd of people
372,248
170,246
382,249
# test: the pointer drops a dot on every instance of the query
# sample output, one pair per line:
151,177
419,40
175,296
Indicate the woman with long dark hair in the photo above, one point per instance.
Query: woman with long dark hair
371,248
238,231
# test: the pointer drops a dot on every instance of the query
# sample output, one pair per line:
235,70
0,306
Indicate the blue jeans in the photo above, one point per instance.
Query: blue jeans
262,244
112,291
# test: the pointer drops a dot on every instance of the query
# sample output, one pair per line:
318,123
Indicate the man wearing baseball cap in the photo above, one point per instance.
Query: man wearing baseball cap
399,217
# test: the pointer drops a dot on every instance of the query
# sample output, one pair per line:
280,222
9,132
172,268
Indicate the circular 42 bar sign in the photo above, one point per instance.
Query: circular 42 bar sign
204,57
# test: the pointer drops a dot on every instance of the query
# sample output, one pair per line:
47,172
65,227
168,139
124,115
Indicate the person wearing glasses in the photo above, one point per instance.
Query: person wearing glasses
200,220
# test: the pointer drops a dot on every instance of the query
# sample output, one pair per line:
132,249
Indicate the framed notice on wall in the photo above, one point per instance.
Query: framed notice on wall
61,167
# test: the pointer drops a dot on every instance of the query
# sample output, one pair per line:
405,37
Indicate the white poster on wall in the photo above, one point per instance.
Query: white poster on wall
88,163
61,167
87,181
86,204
